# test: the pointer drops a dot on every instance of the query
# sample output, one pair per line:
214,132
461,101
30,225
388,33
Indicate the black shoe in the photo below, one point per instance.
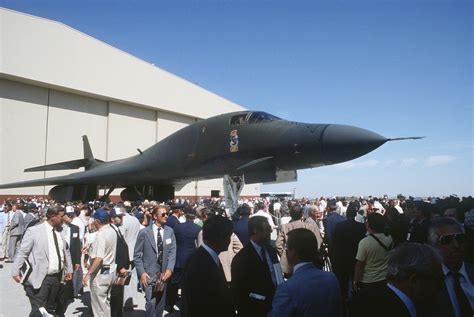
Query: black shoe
1,266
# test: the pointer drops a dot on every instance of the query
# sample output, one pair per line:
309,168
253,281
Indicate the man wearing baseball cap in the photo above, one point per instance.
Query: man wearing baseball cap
103,267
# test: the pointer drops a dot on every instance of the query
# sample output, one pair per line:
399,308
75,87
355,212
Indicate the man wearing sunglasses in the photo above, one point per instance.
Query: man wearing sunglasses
457,294
155,256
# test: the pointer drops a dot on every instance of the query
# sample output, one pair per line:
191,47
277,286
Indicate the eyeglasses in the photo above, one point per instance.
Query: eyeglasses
448,238
164,214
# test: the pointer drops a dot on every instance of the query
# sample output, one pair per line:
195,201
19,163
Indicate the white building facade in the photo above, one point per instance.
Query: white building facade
57,84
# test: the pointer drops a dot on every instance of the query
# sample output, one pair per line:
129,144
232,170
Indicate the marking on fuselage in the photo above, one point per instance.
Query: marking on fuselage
234,141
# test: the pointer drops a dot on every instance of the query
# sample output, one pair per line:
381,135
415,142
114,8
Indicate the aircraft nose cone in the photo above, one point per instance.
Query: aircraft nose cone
343,143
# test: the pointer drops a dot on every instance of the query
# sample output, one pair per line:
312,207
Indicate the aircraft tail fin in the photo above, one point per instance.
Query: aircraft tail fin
87,162
87,148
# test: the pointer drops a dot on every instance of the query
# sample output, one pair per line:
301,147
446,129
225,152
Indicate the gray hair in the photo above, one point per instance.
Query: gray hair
442,222
409,258
313,208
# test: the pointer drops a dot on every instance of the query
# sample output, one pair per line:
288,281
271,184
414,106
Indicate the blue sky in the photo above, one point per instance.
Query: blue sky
398,68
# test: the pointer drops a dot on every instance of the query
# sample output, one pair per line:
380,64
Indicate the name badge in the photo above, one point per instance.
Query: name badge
75,235
168,241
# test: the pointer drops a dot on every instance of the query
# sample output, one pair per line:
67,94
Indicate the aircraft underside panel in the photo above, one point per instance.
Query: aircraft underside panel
160,193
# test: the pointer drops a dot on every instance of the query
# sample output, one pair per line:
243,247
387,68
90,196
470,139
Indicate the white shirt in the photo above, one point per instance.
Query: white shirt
266,215
82,228
213,253
466,286
66,233
52,254
104,245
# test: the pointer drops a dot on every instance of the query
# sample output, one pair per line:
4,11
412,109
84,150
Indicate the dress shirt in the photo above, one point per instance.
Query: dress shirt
213,253
268,260
66,233
466,286
52,255
82,228
299,265
405,299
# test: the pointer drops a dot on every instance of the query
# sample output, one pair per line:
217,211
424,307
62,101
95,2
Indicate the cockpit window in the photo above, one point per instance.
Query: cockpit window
258,117
239,119
252,117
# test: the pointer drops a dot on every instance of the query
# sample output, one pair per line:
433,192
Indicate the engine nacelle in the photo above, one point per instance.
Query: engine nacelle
63,193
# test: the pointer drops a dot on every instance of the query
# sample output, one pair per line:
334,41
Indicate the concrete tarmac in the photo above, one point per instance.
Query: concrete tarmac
14,303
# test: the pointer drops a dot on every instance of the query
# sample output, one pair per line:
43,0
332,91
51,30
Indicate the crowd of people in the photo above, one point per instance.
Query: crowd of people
329,256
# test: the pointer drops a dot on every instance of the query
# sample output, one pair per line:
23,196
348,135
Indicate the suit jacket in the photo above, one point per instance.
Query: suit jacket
34,247
283,238
75,244
250,275
172,221
17,224
205,290
329,224
145,254
129,229
29,217
347,235
186,241
241,229
376,302
442,306
226,257
308,292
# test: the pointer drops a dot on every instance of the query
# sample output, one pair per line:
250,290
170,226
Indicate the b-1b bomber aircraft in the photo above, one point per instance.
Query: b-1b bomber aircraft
253,146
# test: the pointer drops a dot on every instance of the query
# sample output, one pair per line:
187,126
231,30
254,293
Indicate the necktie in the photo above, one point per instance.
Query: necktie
57,250
8,218
159,247
464,305
263,256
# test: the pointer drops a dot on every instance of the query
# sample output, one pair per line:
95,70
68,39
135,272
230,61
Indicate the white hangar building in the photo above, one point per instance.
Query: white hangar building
57,84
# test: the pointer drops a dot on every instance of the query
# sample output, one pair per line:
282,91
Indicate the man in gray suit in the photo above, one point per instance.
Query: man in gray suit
17,227
154,253
49,258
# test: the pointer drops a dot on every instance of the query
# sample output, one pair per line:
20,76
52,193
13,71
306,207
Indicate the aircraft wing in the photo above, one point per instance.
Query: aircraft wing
63,180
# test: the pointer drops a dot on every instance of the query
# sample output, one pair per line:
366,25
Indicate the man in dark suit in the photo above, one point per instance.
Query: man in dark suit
420,224
155,253
329,223
347,235
205,290
241,226
414,277
186,244
254,277
70,289
309,291
456,297
176,212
